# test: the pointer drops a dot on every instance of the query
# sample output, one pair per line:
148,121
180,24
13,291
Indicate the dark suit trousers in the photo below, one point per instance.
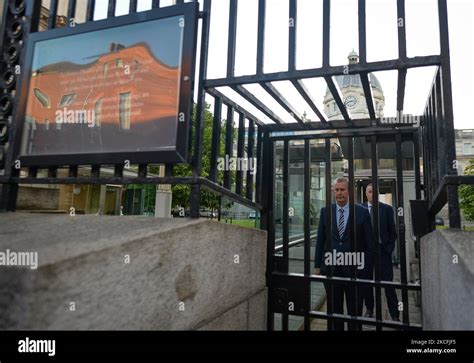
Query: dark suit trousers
390,294
354,303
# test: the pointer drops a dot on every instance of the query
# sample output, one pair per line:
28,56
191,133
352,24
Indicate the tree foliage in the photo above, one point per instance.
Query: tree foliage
181,193
466,194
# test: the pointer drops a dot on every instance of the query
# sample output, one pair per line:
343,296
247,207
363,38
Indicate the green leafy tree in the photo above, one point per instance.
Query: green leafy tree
181,193
466,194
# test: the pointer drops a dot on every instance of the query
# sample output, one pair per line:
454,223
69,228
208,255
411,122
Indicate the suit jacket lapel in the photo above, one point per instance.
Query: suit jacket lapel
334,222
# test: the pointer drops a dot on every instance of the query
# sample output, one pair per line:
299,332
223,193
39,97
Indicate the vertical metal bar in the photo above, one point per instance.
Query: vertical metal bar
432,150
286,203
450,156
73,171
232,35
250,156
363,58
32,172
424,144
142,170
416,153
118,170
133,6
402,42
307,230
402,53
286,222
258,186
155,4
169,170
329,226
195,197
9,192
402,76
71,9
90,10
268,222
375,228
111,9
216,138
441,132
326,32
53,172
261,36
53,12
354,247
292,36
229,144
429,167
95,171
436,119
240,154
416,164
400,213
362,33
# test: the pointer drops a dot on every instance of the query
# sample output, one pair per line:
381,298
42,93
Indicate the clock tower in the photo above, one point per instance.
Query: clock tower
353,96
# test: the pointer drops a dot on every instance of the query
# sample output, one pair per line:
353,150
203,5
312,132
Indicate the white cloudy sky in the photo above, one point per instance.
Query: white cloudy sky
422,39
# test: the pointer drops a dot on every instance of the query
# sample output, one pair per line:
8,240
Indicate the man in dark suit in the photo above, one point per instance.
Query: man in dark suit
388,236
340,245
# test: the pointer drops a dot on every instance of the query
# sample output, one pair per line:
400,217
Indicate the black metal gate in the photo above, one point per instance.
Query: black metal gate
291,278
321,142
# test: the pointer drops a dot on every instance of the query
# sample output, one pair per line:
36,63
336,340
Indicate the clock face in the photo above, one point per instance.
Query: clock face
350,102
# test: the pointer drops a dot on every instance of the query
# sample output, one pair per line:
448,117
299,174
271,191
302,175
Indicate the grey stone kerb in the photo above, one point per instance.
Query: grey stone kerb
447,280
182,274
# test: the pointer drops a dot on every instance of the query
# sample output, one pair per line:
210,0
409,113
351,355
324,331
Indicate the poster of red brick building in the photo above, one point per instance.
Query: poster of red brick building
122,99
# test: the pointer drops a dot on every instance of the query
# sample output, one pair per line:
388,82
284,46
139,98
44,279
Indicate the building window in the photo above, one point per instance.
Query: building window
104,70
98,112
118,63
42,98
67,100
124,109
467,150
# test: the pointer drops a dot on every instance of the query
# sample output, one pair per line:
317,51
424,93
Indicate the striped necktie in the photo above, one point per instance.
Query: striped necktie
340,225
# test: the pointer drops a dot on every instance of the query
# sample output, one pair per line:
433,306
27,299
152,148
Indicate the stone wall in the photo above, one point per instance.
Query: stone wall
141,273
38,198
447,280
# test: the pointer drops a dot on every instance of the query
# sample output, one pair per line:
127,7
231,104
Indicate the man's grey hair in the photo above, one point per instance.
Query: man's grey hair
341,179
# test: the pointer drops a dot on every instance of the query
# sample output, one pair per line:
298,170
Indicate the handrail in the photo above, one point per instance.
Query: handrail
295,242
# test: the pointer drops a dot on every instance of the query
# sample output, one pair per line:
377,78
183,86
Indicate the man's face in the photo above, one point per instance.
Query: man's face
368,193
341,192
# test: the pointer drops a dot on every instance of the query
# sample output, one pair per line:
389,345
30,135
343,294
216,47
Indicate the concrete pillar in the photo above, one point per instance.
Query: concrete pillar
163,203
164,198
447,280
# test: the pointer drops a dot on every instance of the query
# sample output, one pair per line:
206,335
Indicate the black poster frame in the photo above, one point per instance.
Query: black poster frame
179,154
